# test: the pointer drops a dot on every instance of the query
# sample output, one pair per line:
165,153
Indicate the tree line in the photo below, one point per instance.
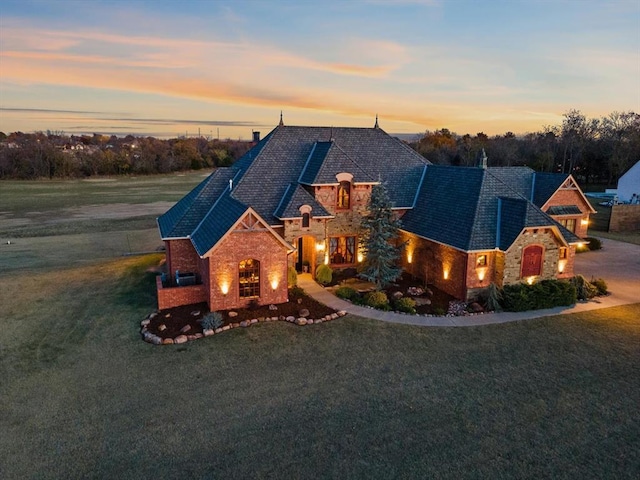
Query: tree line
55,155
594,150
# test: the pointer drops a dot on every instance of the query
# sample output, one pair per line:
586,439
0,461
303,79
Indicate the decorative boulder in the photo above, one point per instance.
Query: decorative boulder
303,313
233,314
180,339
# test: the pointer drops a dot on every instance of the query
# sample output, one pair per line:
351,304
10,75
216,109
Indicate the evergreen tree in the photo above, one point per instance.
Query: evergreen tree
380,228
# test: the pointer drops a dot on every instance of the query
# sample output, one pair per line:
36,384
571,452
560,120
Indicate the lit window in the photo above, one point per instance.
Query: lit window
342,250
344,191
563,253
569,224
249,278
481,261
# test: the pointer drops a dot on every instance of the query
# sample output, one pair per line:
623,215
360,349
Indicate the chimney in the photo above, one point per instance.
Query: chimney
482,160
256,137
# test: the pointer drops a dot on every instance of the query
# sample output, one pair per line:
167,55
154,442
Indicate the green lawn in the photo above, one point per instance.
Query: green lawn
84,397
81,396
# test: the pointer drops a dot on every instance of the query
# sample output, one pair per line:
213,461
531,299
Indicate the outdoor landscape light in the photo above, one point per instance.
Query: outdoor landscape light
274,284
224,288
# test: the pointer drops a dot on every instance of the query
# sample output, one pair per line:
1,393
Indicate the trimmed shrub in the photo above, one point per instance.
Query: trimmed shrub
406,305
296,292
584,289
594,243
600,285
211,321
346,292
377,300
544,294
324,274
494,297
292,277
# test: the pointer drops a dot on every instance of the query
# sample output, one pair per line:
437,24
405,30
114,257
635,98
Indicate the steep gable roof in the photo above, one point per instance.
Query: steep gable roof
546,184
181,220
293,199
326,160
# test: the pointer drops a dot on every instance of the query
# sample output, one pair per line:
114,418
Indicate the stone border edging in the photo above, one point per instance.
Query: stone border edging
154,339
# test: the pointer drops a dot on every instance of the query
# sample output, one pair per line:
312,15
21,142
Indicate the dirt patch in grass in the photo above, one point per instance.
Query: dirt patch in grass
176,319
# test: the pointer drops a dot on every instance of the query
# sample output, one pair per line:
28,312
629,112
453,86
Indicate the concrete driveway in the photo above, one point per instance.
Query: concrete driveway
618,263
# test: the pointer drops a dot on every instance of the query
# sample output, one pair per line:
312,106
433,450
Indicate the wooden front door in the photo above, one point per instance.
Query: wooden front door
532,261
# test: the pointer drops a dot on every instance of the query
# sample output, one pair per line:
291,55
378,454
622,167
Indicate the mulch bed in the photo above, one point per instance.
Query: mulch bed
439,299
175,320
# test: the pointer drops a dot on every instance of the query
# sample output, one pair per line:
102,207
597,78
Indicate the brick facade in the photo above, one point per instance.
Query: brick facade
462,275
224,269
571,196
169,297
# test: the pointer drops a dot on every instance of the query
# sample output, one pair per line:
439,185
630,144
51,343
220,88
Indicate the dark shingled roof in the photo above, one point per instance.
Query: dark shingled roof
546,185
225,212
564,210
294,198
181,220
459,206
326,160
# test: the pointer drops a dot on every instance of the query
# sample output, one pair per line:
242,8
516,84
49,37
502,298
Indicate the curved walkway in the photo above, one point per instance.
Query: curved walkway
618,263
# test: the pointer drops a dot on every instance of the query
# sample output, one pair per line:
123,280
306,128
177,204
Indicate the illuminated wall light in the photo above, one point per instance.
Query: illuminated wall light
584,222
360,257
409,257
445,273
224,288
274,284
320,246
580,245
561,265
481,273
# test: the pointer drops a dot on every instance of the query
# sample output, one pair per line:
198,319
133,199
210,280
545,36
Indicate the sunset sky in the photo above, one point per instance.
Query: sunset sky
166,68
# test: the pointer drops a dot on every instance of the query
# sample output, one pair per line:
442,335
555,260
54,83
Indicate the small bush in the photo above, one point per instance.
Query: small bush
600,285
584,289
211,321
494,297
292,277
324,274
594,243
377,300
406,305
346,292
439,311
296,292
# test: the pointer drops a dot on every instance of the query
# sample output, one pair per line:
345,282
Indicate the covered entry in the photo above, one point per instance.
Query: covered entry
306,254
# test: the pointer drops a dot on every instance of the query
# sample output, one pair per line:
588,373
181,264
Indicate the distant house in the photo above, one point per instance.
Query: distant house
297,197
629,185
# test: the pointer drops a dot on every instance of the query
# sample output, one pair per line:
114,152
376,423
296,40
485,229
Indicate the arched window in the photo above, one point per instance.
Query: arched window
344,192
532,261
249,278
305,220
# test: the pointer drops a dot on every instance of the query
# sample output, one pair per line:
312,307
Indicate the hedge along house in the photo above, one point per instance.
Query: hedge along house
297,198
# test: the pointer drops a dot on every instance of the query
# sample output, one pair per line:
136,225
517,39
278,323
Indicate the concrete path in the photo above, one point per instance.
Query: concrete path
617,263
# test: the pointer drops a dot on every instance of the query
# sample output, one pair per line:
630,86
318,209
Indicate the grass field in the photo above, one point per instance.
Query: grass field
82,396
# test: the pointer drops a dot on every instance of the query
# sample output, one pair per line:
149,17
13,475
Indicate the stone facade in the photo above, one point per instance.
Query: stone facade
550,256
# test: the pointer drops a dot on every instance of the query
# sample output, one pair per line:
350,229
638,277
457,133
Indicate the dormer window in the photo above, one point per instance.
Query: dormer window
305,211
344,194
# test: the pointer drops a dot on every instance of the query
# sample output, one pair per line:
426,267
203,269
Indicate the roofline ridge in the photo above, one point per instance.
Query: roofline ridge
334,143
284,195
306,164
203,183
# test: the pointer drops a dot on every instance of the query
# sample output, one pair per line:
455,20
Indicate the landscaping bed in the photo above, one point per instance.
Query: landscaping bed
181,324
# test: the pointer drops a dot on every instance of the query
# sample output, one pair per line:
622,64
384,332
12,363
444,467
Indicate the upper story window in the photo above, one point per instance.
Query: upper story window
305,220
344,194
569,224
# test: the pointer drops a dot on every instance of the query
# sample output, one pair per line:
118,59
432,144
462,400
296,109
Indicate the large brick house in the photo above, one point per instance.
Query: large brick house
297,197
